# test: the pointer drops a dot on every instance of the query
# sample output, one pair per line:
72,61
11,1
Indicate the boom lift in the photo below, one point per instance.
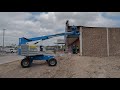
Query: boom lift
32,53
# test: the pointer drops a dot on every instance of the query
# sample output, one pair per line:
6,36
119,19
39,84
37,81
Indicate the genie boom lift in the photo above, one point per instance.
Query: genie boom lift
32,53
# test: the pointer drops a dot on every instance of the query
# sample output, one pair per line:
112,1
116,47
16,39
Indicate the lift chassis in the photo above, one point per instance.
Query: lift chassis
27,61
31,53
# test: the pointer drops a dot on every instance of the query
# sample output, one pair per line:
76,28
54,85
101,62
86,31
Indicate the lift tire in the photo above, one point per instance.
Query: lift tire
52,62
25,63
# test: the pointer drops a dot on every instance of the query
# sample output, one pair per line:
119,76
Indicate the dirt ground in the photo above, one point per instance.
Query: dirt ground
68,66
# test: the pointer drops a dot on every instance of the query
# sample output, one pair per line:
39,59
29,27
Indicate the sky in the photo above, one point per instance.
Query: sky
35,24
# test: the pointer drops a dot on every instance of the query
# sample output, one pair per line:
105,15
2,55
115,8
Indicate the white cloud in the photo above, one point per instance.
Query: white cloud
25,24
113,14
102,22
77,17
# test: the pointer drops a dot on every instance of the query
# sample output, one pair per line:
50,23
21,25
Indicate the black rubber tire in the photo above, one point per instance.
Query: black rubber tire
52,62
24,61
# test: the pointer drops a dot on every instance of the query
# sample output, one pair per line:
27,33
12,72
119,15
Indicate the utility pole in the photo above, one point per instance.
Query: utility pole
3,39
65,37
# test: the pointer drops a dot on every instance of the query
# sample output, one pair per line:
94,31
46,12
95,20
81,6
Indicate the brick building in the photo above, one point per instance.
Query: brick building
95,41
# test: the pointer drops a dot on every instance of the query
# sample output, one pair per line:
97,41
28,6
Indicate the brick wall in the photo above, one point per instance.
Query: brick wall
114,41
94,41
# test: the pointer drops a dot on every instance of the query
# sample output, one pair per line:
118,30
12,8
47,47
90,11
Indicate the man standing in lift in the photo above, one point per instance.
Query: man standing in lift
41,48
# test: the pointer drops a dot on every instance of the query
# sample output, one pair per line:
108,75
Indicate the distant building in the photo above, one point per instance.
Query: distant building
60,41
52,47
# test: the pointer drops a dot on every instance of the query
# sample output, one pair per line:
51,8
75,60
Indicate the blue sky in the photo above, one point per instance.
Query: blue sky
113,17
33,24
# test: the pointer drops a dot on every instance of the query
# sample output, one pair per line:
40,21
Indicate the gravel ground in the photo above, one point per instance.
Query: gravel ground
69,66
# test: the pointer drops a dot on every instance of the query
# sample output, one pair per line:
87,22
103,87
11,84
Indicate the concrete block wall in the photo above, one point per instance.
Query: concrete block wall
99,41
114,41
94,42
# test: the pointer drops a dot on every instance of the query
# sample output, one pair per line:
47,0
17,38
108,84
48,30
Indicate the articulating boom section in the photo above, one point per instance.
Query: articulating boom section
24,40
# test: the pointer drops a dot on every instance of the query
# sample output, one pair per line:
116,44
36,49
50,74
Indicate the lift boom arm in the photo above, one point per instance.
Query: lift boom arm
24,40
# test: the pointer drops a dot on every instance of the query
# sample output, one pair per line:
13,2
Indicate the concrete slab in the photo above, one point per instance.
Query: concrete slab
6,59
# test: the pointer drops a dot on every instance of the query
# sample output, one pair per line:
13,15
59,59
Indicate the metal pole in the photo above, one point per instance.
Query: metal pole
80,37
107,42
65,38
66,41
3,38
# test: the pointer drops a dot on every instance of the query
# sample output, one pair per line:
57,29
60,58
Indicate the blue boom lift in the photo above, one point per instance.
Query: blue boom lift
31,52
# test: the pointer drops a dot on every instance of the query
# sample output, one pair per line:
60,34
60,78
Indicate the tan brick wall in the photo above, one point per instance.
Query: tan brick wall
94,41
114,41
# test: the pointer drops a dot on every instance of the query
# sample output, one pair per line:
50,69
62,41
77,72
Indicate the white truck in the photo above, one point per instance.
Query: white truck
10,50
